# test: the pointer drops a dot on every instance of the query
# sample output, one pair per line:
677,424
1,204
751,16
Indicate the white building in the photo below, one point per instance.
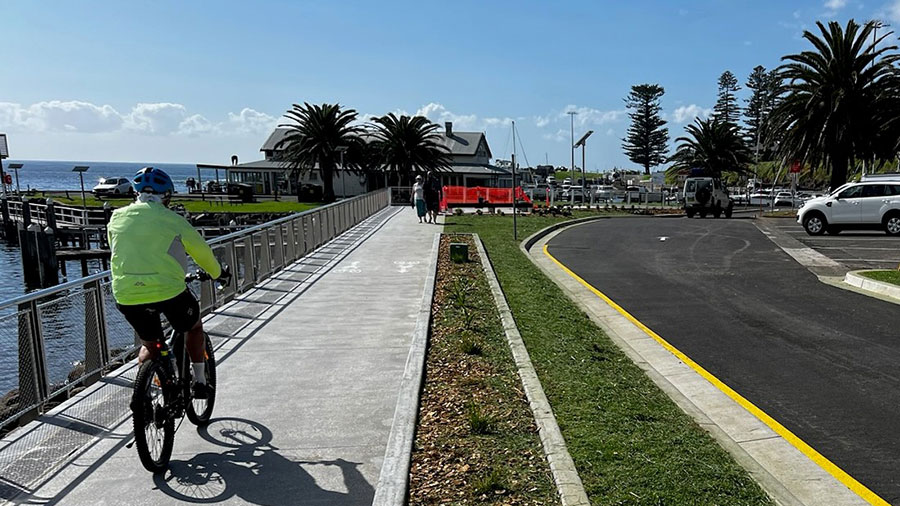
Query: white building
469,166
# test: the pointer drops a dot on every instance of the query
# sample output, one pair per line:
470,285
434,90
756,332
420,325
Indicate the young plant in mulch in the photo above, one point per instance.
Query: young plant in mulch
476,442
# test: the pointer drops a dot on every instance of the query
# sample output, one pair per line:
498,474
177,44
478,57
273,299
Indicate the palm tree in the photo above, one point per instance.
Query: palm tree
314,137
408,145
839,101
714,146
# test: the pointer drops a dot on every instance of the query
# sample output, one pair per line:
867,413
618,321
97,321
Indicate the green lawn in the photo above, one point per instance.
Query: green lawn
632,445
892,277
201,206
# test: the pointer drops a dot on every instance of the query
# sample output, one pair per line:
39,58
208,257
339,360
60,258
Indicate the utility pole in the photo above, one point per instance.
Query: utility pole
515,224
572,115
572,147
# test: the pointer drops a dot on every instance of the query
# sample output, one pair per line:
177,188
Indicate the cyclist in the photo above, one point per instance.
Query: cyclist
148,244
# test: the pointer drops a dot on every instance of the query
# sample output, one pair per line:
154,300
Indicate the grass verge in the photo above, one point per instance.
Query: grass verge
892,277
631,444
476,440
791,213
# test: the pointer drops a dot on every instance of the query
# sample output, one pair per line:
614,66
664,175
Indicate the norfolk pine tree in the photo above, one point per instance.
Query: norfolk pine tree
759,106
726,108
647,140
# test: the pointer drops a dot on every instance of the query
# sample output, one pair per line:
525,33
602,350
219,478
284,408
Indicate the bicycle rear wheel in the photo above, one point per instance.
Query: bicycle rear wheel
154,427
199,411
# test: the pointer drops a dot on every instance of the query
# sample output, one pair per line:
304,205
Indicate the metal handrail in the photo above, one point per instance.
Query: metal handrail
254,254
43,293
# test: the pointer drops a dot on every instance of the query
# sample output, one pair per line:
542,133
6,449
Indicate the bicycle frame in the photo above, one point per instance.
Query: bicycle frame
176,362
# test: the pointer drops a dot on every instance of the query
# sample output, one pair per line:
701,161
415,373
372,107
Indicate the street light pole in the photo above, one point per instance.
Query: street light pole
572,140
15,167
515,225
81,169
583,143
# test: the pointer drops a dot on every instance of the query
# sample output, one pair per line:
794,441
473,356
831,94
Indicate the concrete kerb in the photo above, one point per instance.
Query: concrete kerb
393,482
784,472
855,278
569,486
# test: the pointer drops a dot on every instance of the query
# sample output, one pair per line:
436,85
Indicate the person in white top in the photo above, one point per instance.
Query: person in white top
419,198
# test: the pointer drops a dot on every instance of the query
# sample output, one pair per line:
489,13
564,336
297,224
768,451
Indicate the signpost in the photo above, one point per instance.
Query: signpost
15,167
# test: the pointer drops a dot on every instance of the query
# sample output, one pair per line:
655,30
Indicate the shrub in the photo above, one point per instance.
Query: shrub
479,421
470,345
492,481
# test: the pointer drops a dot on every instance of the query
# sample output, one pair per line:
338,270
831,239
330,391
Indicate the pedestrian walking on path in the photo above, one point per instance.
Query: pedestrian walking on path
432,196
419,198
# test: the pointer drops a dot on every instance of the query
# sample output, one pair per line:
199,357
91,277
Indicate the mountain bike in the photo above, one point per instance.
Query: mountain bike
162,395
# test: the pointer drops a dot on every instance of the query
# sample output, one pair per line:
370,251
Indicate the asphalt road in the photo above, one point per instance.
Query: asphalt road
824,362
855,249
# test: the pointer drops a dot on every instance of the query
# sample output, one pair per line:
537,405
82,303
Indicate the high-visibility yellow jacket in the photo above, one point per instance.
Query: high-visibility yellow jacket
148,244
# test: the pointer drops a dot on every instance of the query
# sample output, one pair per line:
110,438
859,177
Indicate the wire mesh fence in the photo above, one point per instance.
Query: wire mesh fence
56,341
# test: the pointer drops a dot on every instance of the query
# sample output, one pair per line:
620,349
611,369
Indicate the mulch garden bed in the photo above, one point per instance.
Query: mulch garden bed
476,440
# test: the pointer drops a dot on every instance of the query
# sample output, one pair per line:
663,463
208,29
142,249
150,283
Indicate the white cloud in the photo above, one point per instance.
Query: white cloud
57,115
250,121
687,113
439,114
561,135
591,116
835,4
159,119
195,125
542,121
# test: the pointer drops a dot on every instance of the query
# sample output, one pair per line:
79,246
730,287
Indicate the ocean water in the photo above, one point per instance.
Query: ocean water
58,175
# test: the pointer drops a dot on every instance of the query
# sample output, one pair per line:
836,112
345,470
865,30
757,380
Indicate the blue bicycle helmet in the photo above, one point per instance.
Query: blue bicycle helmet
152,180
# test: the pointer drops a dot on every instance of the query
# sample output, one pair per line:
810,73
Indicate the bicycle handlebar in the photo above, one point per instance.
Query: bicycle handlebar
201,275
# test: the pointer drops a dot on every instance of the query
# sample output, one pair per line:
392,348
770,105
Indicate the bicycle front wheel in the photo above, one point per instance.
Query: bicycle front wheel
199,411
154,426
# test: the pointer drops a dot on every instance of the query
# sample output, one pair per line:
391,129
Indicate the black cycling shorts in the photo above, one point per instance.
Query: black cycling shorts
182,311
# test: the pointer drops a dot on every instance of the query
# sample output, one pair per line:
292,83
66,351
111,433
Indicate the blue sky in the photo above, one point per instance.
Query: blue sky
197,81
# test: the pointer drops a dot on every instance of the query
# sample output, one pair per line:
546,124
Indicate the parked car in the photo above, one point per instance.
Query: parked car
864,205
573,192
706,195
113,186
551,181
636,193
605,193
783,199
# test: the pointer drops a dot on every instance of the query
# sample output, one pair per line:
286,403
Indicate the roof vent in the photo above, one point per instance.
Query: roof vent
448,128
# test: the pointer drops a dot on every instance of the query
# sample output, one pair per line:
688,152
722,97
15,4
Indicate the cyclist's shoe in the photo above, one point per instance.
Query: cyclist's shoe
201,390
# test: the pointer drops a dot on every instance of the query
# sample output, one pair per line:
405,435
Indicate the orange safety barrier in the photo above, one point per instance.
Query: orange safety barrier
460,195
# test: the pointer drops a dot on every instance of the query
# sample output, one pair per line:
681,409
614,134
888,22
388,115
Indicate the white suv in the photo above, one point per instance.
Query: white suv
864,205
706,195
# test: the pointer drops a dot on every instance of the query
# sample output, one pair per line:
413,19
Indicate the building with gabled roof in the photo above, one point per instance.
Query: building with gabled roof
470,165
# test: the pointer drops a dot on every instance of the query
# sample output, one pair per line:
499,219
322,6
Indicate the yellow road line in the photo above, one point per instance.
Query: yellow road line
809,451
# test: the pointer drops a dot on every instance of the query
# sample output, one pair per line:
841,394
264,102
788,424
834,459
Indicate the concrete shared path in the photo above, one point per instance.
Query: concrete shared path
310,366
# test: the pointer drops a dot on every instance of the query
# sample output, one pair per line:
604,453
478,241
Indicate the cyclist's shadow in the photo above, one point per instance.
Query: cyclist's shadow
253,470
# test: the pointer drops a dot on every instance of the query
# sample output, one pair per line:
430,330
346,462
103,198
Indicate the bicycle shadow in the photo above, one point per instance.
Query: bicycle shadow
253,470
